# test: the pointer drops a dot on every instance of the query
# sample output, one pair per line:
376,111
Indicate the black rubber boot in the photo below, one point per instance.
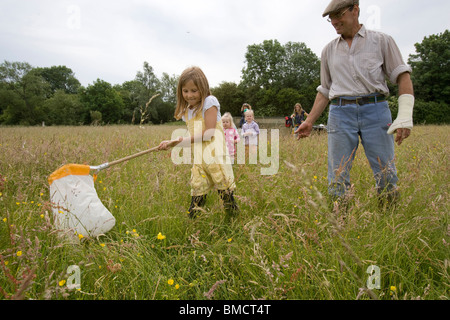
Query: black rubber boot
388,200
229,203
196,203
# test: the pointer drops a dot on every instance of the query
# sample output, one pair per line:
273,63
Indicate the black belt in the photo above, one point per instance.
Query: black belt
358,100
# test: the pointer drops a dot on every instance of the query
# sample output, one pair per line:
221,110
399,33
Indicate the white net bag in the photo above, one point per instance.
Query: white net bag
75,203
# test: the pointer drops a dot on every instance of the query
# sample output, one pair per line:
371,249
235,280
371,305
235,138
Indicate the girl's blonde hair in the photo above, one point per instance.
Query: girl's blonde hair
249,111
228,116
201,82
297,104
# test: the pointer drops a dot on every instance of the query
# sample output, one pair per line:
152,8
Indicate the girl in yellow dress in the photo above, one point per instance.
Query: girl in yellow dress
212,169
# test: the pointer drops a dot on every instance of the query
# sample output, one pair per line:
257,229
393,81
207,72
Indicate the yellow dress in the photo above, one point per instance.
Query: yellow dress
212,167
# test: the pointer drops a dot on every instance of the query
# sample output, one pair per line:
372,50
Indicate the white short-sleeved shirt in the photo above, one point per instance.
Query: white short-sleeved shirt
210,102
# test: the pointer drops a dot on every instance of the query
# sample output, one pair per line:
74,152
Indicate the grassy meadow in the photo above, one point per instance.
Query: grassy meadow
287,242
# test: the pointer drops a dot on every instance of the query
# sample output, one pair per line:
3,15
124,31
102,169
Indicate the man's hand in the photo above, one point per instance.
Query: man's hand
319,106
404,123
304,130
402,134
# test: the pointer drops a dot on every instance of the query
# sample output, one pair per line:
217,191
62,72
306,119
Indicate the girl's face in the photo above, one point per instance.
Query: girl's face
297,108
248,117
191,94
226,123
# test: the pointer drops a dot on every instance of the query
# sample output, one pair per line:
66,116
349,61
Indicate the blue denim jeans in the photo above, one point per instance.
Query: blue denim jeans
348,124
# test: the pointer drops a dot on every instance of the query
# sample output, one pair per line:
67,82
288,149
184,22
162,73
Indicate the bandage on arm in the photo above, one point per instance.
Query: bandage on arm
405,114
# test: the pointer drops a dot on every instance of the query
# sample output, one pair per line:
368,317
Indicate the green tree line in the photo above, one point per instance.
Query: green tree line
32,96
274,79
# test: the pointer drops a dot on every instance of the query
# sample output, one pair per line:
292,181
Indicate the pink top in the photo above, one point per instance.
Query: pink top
231,136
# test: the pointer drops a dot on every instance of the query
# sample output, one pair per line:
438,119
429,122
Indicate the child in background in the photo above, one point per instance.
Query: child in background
201,112
250,130
231,134
244,108
298,117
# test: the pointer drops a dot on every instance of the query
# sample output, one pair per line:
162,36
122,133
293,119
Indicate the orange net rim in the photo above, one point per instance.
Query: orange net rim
68,170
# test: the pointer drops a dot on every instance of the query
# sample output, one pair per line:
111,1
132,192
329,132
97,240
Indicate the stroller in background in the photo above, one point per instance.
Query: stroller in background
289,124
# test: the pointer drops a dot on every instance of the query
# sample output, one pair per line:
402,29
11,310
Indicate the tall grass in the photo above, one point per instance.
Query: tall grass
288,242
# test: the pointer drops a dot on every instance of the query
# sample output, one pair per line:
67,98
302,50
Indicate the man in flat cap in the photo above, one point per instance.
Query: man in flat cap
353,71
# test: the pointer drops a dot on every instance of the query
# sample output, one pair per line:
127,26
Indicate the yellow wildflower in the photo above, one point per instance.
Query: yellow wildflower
80,236
170,282
62,282
160,236
19,253
177,286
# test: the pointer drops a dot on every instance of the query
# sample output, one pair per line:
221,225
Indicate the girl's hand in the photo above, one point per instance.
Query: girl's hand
167,144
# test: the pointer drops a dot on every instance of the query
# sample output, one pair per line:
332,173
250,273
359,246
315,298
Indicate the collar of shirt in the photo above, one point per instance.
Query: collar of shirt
361,33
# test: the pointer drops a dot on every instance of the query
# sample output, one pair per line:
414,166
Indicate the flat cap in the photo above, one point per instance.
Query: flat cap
336,5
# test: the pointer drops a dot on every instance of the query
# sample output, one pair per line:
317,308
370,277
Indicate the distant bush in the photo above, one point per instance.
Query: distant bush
425,112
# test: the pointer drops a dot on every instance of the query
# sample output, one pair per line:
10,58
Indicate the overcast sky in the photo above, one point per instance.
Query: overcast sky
111,40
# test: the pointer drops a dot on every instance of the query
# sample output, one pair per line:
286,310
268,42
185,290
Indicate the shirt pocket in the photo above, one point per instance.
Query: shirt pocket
371,66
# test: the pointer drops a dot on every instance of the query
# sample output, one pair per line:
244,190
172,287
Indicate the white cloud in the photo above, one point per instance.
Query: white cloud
110,40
